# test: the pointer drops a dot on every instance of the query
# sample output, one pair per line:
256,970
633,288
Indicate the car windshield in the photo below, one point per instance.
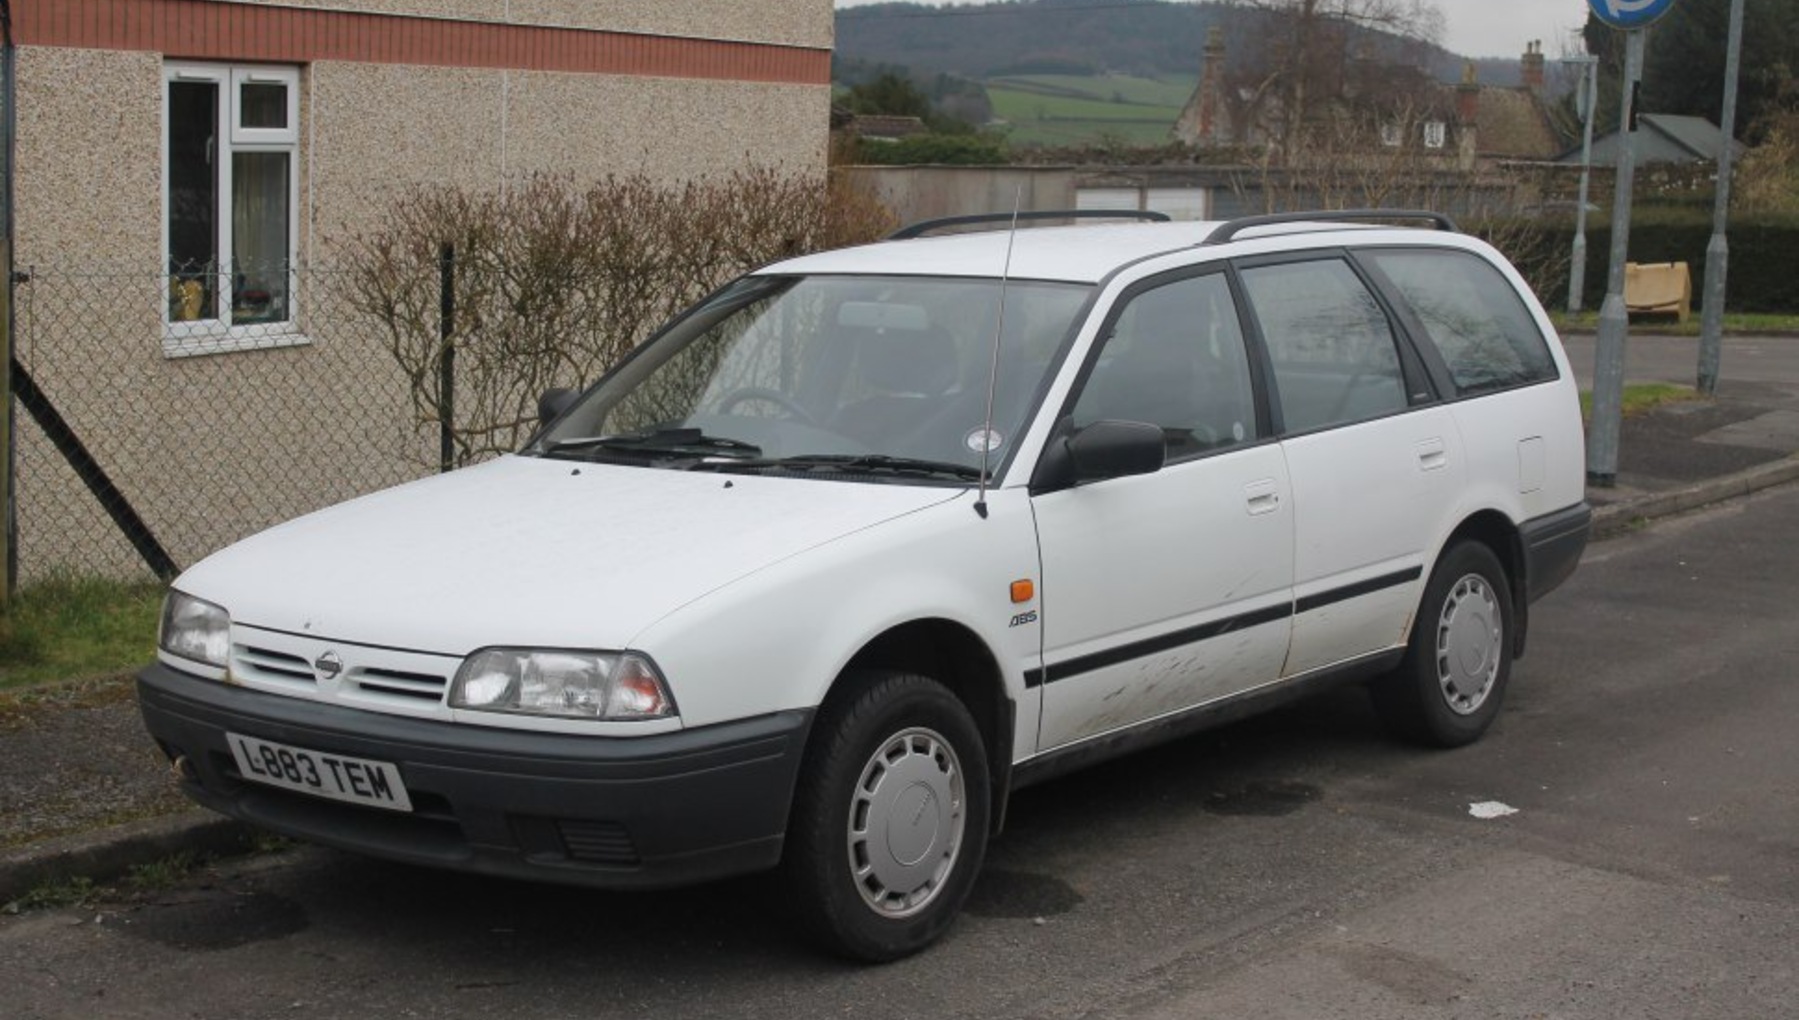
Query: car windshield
886,376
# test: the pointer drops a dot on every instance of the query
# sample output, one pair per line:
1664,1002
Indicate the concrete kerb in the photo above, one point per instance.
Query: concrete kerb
1616,518
106,854
102,855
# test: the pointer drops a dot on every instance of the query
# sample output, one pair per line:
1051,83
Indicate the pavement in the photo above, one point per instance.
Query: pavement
85,795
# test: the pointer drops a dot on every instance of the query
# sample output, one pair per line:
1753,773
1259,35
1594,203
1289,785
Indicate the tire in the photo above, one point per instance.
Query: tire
890,818
1448,688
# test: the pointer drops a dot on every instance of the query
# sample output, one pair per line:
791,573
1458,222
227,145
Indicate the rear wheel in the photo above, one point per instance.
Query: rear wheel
1448,689
890,819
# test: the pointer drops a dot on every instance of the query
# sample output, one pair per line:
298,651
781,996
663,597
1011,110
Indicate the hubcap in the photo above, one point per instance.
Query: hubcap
1470,644
906,820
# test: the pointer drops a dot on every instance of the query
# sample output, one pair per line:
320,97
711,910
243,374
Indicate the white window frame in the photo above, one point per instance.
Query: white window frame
219,334
1391,134
1436,134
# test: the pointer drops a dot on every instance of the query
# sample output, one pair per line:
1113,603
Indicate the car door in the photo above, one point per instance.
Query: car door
1166,590
1374,457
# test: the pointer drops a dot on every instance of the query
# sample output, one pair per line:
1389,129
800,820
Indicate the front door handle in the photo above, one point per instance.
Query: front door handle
1262,497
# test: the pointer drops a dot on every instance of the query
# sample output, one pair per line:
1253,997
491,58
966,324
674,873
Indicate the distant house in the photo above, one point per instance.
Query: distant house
1383,106
1662,138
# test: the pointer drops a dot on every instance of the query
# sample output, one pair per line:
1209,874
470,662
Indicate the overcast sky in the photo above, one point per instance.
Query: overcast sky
1484,28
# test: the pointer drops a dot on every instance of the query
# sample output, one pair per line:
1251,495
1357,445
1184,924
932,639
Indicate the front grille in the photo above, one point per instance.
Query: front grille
401,683
253,663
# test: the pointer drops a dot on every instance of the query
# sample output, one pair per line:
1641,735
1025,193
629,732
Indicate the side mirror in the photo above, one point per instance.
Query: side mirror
553,402
1102,450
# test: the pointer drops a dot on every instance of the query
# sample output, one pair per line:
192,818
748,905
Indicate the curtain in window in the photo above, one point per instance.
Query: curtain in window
259,226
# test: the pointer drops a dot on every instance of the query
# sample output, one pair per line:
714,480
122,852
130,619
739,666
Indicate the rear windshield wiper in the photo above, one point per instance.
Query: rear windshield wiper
661,443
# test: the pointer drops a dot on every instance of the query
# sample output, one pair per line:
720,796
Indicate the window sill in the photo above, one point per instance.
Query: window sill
196,339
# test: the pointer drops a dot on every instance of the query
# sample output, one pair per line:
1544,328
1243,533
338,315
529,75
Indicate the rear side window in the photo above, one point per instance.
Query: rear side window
1333,351
1483,330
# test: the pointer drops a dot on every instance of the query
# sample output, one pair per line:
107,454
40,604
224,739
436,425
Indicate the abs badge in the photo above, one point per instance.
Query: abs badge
983,440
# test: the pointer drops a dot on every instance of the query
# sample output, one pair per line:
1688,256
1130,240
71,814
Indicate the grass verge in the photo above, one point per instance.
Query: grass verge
1641,397
76,629
1734,322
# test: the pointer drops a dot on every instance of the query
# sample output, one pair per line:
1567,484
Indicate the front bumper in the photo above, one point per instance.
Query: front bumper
634,812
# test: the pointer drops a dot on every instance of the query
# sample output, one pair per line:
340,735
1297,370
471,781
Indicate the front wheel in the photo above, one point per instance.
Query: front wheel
890,818
1447,690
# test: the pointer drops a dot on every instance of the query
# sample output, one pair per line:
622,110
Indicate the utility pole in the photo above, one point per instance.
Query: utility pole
1588,103
1717,253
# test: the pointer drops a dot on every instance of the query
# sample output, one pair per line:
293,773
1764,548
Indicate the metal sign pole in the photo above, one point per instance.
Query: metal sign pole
1614,318
1717,253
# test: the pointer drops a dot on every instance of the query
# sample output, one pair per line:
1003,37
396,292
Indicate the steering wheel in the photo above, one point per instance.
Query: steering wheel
743,394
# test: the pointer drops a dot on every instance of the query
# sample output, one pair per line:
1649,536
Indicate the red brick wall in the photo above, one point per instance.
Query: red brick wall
206,30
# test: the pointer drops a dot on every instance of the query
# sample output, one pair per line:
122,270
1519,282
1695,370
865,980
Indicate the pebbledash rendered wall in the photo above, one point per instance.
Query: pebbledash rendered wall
392,93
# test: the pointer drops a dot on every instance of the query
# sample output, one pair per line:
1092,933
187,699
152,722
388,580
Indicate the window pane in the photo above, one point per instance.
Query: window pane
259,230
1332,348
262,105
1175,358
193,199
1486,336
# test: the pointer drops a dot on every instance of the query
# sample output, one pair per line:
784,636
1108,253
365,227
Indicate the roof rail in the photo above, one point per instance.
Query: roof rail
924,227
1228,231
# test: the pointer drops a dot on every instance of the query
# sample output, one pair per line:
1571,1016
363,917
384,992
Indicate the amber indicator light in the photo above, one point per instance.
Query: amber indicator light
1023,591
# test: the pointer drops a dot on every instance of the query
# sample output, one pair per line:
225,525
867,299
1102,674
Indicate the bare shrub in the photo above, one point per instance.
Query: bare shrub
554,283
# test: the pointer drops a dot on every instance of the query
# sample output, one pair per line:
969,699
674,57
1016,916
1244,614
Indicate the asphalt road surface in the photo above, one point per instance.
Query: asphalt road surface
1299,865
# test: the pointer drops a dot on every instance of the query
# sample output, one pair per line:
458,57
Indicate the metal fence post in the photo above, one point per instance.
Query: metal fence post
446,358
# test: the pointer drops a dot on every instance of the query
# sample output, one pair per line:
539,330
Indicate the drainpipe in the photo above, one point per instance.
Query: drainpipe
9,532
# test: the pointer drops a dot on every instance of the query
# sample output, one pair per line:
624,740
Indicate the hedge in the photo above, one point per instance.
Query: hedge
1764,257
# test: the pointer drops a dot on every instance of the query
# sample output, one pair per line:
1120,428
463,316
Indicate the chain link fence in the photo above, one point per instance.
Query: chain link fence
146,438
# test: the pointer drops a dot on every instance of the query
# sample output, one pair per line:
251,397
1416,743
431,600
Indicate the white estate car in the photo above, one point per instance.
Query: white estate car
868,539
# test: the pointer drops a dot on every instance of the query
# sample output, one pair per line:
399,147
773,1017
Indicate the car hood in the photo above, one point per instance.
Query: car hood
528,551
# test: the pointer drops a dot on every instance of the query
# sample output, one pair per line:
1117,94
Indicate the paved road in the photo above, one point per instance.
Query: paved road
1295,866
1770,360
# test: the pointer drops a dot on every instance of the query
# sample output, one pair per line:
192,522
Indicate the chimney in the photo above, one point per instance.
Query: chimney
1467,116
1534,78
1467,97
1211,86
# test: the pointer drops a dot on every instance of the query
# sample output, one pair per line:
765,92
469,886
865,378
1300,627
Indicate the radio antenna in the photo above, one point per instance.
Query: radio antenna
999,330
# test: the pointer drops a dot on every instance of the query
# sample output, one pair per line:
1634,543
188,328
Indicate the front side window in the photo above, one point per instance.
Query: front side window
231,144
1174,357
1334,355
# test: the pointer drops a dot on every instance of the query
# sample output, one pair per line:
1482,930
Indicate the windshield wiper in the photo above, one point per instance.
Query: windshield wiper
876,463
661,443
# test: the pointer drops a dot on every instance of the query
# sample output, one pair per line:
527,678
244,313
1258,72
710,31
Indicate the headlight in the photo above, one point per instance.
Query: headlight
195,629
582,685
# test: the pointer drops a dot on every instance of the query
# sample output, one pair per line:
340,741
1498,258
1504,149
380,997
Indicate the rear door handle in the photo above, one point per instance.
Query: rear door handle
1432,455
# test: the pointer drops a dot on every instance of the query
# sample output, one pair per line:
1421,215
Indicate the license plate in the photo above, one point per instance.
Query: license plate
356,780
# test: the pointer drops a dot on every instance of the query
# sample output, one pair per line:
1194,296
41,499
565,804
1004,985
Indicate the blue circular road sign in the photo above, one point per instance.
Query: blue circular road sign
1629,13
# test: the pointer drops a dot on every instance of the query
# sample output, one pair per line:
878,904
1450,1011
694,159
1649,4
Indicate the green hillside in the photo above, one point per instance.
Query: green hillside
1056,109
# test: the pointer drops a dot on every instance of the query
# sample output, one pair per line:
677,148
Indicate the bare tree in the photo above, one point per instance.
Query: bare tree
1306,56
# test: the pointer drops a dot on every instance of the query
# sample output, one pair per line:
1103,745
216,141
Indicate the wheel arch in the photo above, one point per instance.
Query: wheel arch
1496,531
955,656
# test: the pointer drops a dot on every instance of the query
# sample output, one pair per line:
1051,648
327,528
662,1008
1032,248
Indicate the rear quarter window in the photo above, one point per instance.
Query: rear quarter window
1486,335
